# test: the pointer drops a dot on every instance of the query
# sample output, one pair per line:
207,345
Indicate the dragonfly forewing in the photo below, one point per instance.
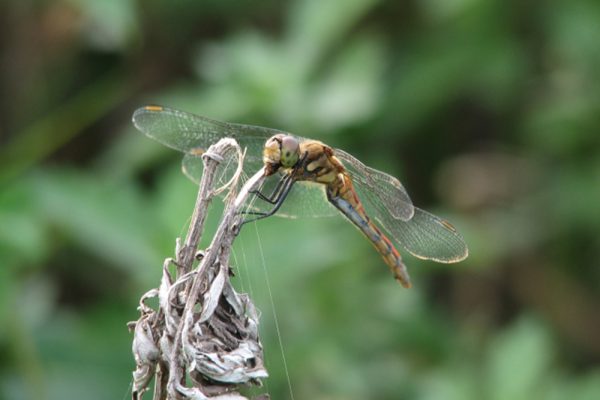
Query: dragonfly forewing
193,134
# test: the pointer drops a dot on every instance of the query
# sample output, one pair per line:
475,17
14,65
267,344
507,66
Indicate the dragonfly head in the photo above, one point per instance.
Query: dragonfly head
281,151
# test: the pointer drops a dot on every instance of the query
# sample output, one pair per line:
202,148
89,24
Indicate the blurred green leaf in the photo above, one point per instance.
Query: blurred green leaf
108,24
314,26
22,234
109,220
350,91
520,361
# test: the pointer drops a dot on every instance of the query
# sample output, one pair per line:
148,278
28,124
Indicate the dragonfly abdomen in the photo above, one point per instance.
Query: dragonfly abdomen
355,213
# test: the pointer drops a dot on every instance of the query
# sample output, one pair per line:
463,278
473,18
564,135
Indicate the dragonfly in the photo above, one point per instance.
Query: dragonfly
326,181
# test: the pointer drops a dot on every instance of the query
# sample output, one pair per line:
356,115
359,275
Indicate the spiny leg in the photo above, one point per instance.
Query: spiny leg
279,193
285,190
272,198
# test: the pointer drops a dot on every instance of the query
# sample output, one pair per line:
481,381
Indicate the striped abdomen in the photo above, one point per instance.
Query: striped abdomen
346,200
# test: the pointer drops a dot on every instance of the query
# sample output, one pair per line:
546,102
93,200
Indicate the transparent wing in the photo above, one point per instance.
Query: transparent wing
193,134
380,190
377,190
386,202
305,200
192,167
425,236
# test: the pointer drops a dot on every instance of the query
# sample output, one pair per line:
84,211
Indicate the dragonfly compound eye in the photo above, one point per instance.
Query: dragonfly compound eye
290,151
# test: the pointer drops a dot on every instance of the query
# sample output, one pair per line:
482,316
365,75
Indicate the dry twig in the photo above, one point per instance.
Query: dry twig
202,341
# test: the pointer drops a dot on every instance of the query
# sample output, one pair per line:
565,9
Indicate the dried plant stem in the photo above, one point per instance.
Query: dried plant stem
202,327
185,256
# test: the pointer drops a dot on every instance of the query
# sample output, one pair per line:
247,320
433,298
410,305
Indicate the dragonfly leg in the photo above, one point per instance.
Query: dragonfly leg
279,193
288,182
272,198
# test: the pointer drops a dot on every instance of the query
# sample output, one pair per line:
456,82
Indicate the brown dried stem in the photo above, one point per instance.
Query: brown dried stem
202,326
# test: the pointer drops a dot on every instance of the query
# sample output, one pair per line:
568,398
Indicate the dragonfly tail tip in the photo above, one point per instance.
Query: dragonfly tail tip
405,282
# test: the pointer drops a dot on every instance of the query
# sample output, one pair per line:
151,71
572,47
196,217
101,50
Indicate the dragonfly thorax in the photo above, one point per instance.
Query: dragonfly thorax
281,151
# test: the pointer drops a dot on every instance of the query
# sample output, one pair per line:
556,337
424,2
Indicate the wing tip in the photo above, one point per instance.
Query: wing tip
148,108
457,258
138,113
406,213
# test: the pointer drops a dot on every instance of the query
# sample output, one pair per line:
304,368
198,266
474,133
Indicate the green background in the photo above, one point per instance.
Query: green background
488,111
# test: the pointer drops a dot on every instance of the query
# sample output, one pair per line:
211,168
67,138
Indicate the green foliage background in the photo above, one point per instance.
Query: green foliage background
488,111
